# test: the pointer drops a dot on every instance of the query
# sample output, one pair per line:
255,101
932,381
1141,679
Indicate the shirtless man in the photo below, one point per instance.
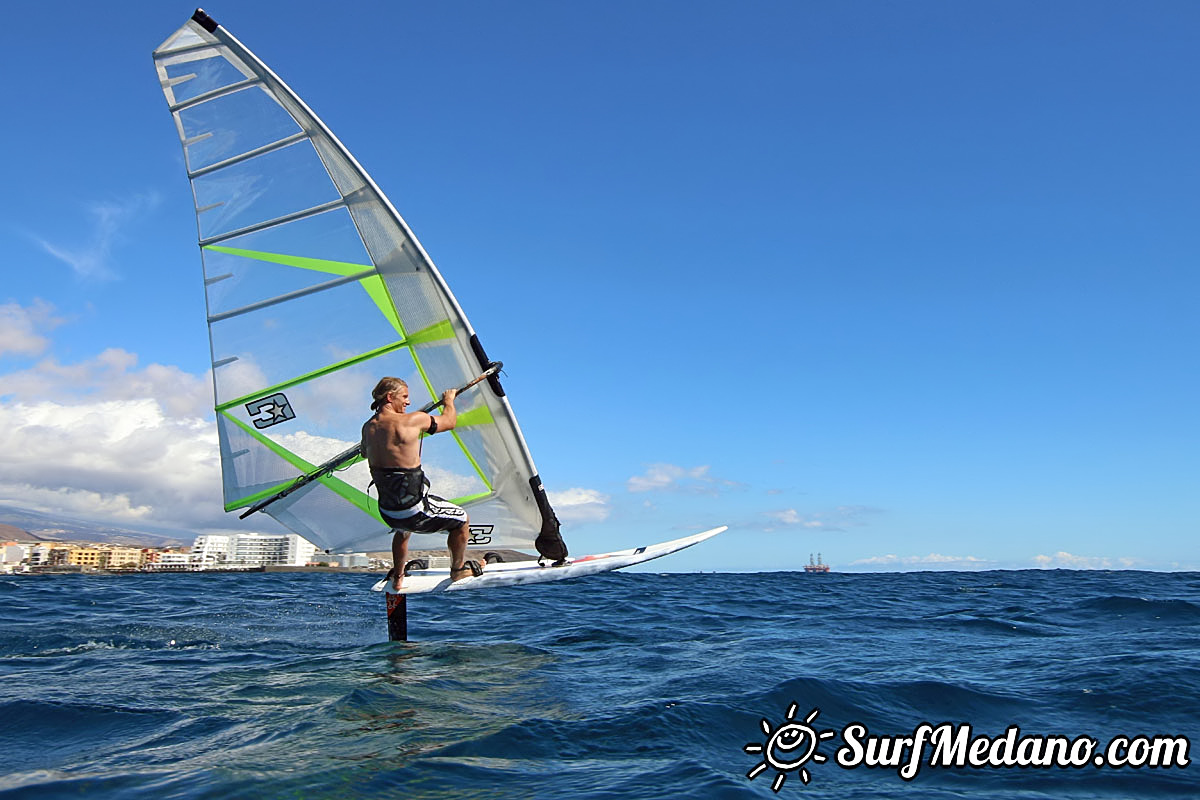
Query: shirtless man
391,441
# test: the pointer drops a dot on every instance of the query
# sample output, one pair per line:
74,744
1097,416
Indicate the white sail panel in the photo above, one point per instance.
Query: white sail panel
316,288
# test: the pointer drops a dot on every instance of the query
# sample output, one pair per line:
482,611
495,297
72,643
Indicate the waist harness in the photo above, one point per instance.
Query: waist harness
400,488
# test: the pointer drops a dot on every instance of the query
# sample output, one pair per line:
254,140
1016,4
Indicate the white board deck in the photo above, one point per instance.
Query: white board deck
519,572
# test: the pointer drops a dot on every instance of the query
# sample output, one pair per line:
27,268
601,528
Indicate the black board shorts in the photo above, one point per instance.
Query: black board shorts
431,514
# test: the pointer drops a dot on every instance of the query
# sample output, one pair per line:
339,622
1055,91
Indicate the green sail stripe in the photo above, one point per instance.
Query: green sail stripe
435,332
471,458
251,499
471,498
447,330
351,495
308,376
316,264
287,455
429,334
374,284
461,445
340,487
476,416
424,376
343,489
383,300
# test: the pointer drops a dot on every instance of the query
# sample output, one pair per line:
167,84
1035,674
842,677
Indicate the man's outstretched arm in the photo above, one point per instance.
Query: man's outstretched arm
449,415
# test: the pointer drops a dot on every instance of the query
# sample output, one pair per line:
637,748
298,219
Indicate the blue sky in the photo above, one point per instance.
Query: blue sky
909,284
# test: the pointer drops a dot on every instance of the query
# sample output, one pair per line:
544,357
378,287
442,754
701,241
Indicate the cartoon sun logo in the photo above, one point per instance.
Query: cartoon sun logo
788,747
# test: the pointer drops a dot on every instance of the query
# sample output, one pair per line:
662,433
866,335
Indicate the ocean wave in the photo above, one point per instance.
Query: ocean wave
56,734
974,624
92,646
890,703
1171,610
648,730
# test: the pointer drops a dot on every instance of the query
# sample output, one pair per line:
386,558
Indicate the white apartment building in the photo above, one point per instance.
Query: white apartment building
39,554
211,550
13,553
172,561
252,549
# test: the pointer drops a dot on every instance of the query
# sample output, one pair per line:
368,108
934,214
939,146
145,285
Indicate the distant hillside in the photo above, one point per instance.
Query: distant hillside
24,525
11,533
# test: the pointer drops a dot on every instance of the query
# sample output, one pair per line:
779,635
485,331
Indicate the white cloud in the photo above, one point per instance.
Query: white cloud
931,561
672,478
579,505
21,328
105,439
838,519
113,460
240,377
77,502
90,259
112,375
313,448
1064,560
792,517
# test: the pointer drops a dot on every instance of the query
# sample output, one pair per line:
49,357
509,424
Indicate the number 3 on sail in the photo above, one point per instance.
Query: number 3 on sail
316,287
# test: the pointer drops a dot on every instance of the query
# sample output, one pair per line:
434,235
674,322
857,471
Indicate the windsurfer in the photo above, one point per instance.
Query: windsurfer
391,441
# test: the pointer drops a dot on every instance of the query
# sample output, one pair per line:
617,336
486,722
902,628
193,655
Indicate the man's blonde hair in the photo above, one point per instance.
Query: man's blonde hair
380,392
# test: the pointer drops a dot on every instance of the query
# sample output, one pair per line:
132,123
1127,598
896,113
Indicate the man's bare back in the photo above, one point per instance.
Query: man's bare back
391,440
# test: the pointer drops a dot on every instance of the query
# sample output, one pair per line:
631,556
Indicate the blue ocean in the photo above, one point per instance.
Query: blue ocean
615,686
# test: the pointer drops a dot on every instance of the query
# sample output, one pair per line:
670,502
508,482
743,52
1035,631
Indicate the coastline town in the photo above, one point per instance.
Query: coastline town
208,553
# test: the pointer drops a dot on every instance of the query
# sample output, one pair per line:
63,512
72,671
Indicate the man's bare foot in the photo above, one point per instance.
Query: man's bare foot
472,568
397,576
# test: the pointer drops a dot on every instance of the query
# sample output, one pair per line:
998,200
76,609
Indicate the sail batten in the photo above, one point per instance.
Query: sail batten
214,94
271,223
283,298
316,288
258,151
183,50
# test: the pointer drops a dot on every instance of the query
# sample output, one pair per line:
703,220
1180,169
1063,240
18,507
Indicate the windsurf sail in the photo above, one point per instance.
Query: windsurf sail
316,288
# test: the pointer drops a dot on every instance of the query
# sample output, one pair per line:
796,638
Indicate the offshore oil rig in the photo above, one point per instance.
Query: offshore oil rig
816,566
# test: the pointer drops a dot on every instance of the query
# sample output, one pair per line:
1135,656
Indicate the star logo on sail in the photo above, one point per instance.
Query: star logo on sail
271,410
788,747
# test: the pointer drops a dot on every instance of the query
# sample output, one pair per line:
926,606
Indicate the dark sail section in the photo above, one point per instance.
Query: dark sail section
549,542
